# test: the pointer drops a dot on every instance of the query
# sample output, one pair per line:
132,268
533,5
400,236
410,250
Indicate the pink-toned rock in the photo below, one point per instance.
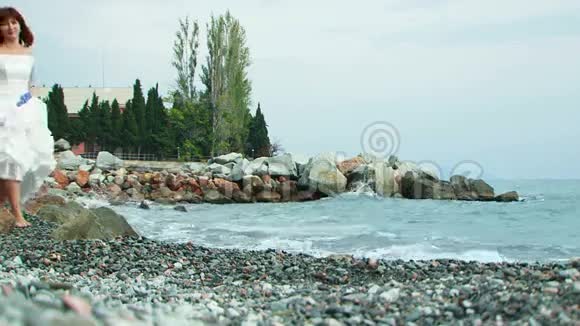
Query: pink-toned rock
226,187
346,167
268,196
113,189
266,178
194,186
288,190
78,305
61,178
172,182
203,182
193,183
82,178
157,178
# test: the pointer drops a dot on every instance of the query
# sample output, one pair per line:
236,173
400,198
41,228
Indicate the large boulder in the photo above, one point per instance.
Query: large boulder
238,171
268,196
227,158
32,206
257,167
62,214
347,166
252,184
61,145
325,176
108,162
213,196
443,190
385,184
60,178
483,190
99,223
301,161
241,197
226,187
423,172
82,178
416,187
362,179
508,197
196,168
219,170
469,189
282,165
462,188
67,160
288,190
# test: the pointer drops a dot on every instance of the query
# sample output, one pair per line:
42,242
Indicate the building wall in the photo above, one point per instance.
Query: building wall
78,149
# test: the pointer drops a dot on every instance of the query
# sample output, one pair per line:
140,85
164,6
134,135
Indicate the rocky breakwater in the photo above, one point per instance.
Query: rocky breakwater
232,178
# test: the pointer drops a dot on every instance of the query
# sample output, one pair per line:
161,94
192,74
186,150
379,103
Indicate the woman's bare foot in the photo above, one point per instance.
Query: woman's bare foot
22,223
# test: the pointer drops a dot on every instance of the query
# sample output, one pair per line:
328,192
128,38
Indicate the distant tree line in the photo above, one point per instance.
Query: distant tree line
213,120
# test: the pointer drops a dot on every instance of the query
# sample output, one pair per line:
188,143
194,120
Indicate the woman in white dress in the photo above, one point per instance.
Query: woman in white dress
26,144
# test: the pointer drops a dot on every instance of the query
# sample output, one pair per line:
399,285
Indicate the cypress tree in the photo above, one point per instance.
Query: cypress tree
52,118
116,125
151,123
263,144
106,128
130,131
58,121
85,119
258,141
138,107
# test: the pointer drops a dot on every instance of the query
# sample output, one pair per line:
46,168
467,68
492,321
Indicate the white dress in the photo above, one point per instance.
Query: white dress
26,143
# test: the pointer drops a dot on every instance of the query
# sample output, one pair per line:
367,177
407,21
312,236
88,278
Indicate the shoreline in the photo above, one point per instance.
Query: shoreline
418,250
140,281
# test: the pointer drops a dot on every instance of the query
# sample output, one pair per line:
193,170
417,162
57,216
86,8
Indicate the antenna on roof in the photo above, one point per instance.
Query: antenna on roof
103,65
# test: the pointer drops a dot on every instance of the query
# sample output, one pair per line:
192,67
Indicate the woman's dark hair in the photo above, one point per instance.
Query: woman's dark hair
26,36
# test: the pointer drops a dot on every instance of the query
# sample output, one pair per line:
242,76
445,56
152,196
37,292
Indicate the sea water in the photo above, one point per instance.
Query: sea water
545,226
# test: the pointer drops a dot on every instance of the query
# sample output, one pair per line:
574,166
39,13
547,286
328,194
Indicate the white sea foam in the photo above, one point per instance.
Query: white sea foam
429,252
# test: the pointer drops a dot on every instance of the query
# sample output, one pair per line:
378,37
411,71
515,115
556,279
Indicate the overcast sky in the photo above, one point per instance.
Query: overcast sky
492,81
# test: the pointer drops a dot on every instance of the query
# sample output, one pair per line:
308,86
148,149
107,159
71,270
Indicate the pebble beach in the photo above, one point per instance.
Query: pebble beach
138,281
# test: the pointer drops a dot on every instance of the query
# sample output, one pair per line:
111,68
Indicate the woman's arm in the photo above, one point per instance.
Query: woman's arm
32,77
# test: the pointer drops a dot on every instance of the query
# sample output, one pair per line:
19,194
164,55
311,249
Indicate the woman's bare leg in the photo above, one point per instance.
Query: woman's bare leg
12,191
2,194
